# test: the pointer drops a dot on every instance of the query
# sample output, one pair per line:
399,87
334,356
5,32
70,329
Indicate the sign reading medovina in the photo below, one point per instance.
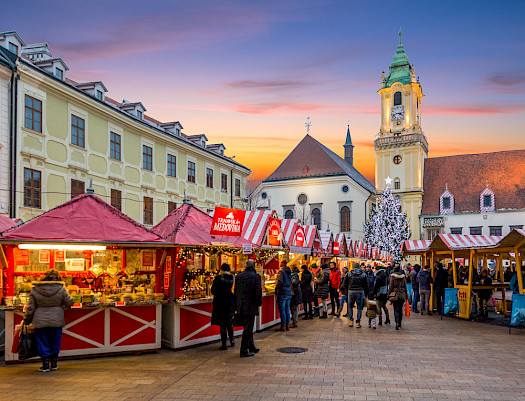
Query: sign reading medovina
227,221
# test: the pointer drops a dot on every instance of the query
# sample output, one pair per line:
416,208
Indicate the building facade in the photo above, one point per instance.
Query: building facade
316,186
401,146
70,136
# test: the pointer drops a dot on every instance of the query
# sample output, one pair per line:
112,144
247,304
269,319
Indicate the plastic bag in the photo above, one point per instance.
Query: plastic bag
407,309
27,346
517,316
451,303
409,292
16,339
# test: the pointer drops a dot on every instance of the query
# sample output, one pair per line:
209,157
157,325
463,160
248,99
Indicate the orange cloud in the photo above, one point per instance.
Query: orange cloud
270,107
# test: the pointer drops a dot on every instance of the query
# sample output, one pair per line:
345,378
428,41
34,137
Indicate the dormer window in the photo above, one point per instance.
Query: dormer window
139,114
487,201
95,88
177,131
397,99
59,73
99,94
13,48
446,202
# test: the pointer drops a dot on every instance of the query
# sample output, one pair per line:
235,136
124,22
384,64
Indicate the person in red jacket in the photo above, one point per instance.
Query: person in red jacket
335,281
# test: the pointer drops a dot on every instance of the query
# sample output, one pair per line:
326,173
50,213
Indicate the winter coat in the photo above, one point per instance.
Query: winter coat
485,293
398,284
441,280
371,278
424,280
222,299
283,282
335,278
248,292
413,281
356,280
297,294
306,286
381,281
342,289
46,304
322,283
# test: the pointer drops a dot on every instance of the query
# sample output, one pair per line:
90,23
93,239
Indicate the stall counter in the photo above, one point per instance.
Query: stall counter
99,329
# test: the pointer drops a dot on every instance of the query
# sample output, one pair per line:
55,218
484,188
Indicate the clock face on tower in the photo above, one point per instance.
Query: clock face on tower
397,113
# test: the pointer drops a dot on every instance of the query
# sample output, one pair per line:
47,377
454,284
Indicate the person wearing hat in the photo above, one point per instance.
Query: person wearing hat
222,312
45,311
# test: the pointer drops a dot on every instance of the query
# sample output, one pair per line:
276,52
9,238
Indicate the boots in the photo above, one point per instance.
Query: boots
287,327
281,328
294,324
339,310
54,362
45,365
380,320
232,342
324,316
387,320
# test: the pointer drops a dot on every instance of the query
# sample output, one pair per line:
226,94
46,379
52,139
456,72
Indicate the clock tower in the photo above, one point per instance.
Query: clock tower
401,146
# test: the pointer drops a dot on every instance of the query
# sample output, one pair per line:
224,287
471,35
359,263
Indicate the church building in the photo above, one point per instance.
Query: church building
317,186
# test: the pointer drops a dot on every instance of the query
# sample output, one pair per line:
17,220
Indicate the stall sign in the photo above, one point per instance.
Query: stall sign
274,232
22,257
336,248
167,279
247,249
60,256
299,237
300,250
227,221
75,265
44,256
120,303
168,264
147,259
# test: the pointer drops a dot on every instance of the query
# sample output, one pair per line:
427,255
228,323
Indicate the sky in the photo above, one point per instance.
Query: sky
249,73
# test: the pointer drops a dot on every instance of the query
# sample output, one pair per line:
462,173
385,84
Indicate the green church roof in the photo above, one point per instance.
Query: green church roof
400,69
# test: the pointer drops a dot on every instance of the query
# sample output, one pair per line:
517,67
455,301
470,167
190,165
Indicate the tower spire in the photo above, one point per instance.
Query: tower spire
349,148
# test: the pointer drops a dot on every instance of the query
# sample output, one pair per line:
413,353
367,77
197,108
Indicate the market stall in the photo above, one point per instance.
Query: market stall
6,224
109,263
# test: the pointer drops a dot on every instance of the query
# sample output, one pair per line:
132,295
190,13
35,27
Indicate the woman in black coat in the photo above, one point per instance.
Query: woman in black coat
308,295
223,304
322,280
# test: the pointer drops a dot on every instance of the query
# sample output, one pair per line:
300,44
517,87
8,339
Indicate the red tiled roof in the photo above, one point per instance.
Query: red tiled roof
467,175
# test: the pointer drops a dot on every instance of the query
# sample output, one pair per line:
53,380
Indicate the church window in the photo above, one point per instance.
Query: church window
316,217
345,219
397,159
302,199
345,189
397,184
288,214
397,98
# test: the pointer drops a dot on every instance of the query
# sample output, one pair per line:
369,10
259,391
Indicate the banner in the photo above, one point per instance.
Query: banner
274,232
336,248
227,221
299,237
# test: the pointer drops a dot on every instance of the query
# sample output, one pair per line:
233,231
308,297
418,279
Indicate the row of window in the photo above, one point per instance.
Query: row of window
493,230
33,194
33,121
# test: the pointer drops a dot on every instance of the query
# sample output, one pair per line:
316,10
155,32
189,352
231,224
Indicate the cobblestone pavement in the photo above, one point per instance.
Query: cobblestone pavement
428,359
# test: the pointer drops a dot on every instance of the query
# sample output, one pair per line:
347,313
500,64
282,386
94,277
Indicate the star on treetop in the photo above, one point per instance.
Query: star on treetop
388,181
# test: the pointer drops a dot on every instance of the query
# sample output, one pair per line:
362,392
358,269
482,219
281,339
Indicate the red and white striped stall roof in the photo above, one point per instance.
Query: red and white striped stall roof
310,233
255,224
340,238
416,245
326,237
460,241
288,227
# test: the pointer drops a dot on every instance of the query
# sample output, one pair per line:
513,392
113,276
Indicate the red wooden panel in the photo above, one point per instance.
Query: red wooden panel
92,328
146,336
267,309
192,321
121,326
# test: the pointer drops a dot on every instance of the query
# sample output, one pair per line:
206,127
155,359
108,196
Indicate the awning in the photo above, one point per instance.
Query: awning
340,238
313,240
415,246
326,240
85,219
288,227
255,224
6,224
463,242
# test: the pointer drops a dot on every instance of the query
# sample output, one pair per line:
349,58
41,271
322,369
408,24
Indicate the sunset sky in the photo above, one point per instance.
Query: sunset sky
248,73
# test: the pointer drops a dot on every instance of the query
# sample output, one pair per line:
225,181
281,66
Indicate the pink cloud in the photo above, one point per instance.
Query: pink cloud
474,109
271,107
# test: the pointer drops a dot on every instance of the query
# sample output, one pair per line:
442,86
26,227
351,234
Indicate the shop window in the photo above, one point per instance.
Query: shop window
147,158
191,172
172,166
316,217
224,182
237,187
288,214
148,210
495,230
476,230
114,146
32,188
456,230
171,206
344,219
77,188
116,199
33,114
209,178
397,98
77,131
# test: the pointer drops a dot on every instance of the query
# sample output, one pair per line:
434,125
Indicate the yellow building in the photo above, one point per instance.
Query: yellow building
401,146
69,135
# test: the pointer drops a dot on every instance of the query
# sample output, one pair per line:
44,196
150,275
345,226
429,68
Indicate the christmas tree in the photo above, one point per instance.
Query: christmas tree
387,226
